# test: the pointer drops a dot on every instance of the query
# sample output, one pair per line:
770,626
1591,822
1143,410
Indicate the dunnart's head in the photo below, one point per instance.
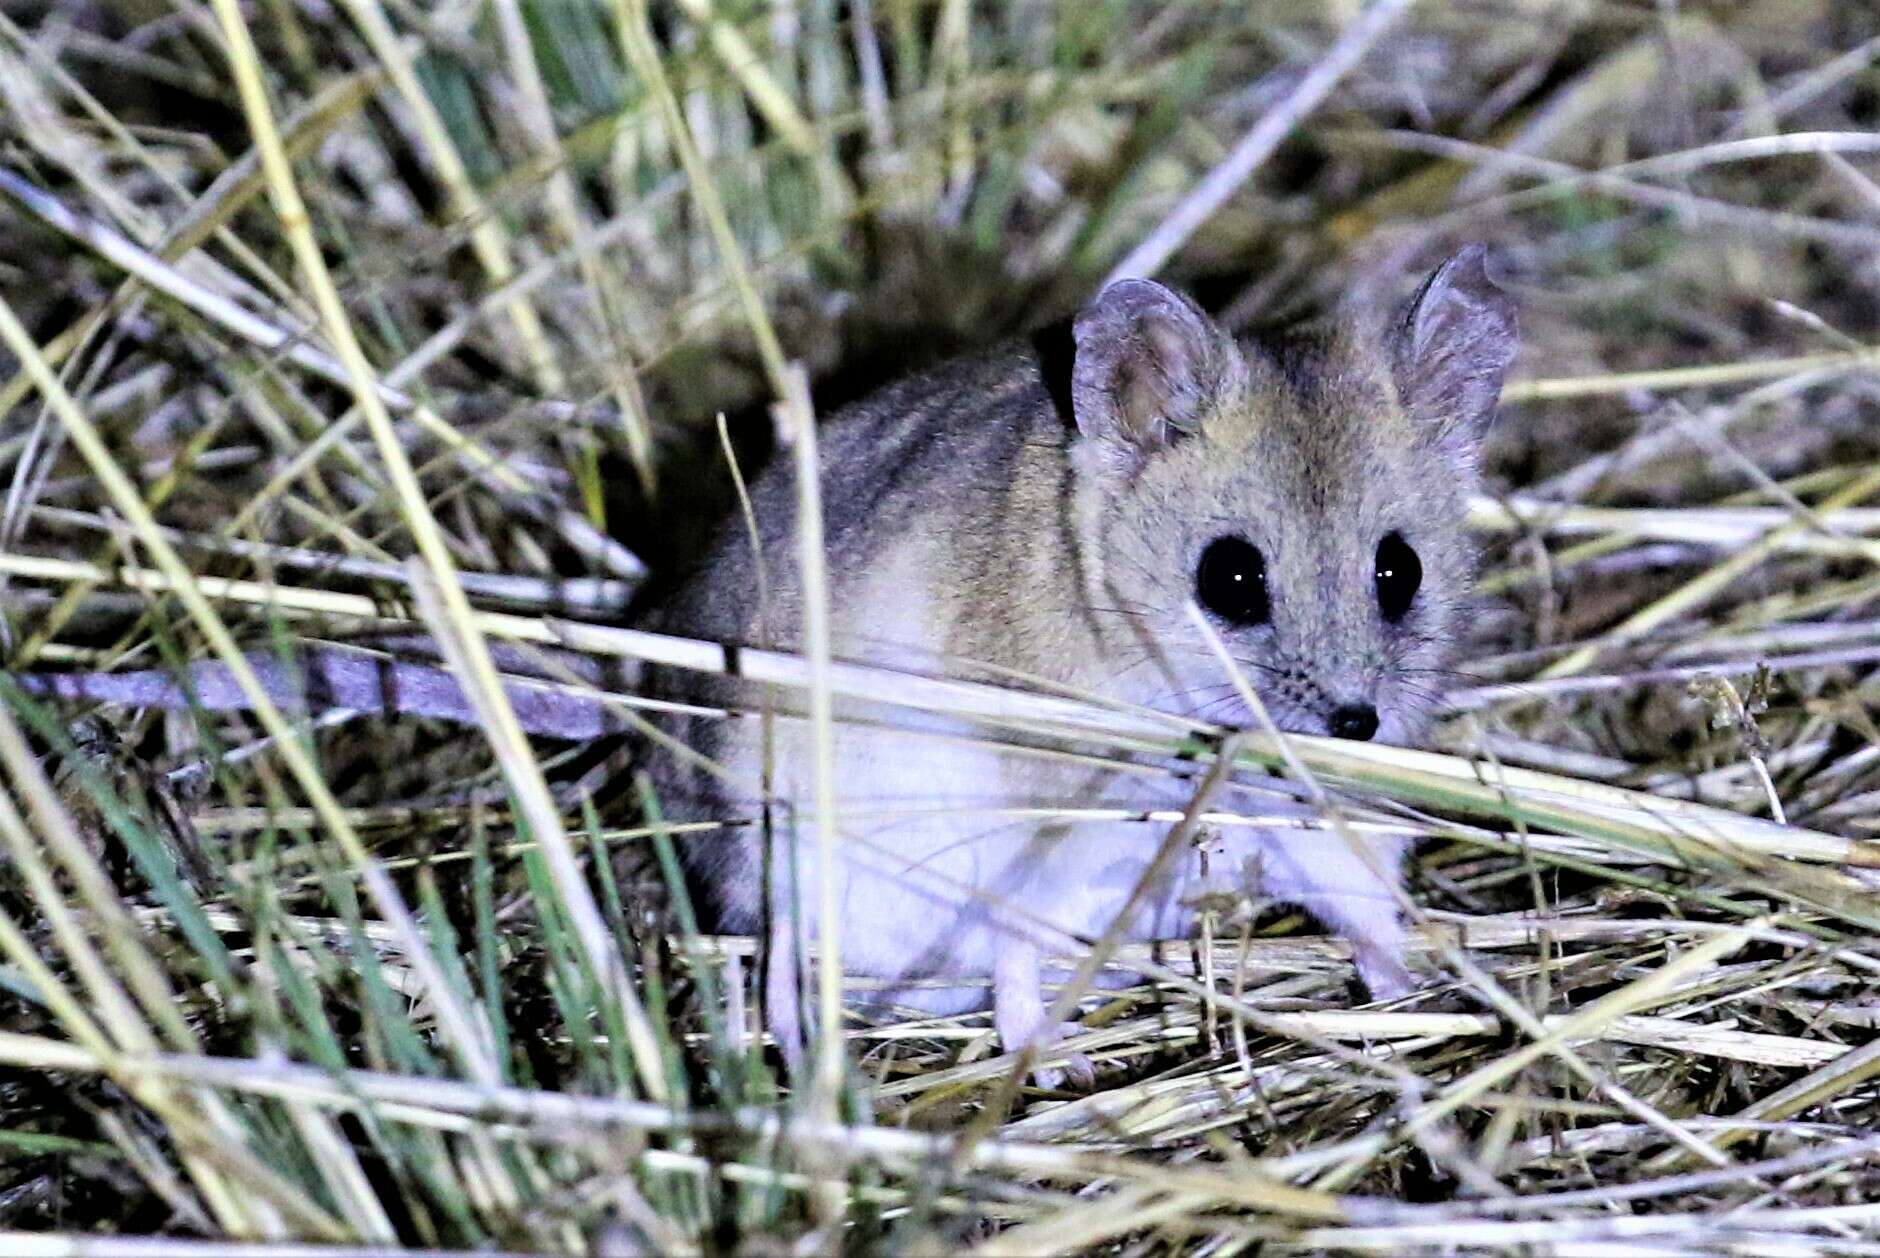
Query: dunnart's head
1311,501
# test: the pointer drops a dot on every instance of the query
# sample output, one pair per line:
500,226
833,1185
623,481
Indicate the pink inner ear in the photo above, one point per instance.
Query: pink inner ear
1139,396
1171,346
1146,358
1165,377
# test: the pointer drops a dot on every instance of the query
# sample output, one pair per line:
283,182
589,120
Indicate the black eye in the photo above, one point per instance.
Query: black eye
1231,581
1399,573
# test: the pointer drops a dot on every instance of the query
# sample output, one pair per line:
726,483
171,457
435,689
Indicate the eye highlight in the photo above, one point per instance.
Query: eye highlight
1399,576
1230,581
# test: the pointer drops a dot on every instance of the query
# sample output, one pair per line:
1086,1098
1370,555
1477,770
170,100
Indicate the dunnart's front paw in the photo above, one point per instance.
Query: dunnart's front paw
1020,1016
1385,975
1077,1069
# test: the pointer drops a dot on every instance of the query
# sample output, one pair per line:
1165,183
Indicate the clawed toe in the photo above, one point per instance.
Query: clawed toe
1076,1069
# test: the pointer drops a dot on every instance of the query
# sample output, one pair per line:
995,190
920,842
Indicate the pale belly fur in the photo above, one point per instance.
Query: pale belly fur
938,873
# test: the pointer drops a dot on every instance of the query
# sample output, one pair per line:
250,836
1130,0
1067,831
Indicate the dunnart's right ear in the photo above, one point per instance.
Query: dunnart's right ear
1148,363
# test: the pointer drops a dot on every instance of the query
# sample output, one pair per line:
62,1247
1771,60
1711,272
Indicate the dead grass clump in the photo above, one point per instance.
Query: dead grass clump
294,293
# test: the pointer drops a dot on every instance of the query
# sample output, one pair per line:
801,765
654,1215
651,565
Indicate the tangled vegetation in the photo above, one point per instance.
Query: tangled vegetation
333,319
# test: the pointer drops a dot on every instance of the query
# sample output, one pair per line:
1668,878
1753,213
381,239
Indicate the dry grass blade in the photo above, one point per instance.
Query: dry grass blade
183,583
1259,144
1666,824
537,806
487,234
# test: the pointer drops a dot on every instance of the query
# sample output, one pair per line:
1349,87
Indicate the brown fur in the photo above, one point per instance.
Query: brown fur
971,522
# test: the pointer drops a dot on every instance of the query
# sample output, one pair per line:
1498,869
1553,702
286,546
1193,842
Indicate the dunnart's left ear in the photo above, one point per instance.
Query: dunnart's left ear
1452,348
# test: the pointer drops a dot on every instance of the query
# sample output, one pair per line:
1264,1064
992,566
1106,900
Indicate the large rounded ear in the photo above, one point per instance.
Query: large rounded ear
1148,361
1452,349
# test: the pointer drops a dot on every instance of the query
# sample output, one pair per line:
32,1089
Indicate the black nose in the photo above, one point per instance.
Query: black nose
1354,720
